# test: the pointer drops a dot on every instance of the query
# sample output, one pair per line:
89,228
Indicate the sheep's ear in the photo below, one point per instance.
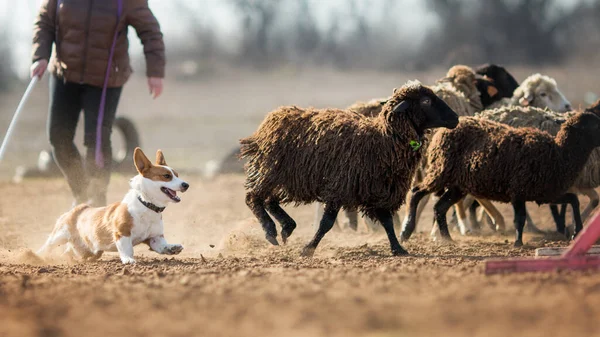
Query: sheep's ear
401,107
395,89
526,99
383,102
492,90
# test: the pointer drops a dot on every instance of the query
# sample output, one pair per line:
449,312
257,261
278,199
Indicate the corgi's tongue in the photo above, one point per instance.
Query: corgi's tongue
171,194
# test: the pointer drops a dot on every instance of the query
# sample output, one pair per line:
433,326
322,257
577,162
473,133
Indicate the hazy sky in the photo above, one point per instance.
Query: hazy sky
17,16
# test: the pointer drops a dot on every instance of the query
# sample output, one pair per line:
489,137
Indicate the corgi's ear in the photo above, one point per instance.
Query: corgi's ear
142,163
160,158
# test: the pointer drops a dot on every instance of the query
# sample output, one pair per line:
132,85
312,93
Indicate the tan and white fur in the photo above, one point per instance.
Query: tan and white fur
89,231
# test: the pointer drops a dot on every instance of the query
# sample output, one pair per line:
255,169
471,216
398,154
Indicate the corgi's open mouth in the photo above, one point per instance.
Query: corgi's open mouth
170,193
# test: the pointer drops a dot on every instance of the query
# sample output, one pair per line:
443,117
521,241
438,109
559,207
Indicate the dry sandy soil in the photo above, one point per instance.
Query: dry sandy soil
244,287
228,281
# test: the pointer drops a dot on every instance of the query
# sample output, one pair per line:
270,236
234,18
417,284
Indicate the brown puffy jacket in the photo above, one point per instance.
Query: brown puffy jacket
85,34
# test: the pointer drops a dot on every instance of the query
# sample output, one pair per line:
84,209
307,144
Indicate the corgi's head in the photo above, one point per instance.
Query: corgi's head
157,182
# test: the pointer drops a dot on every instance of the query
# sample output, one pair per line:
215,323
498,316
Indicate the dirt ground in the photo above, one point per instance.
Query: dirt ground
228,281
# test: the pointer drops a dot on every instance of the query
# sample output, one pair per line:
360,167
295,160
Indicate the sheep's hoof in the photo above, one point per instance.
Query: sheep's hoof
518,244
272,240
307,252
399,251
567,234
285,234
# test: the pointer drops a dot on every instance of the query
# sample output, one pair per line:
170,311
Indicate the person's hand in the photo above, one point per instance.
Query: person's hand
155,85
39,68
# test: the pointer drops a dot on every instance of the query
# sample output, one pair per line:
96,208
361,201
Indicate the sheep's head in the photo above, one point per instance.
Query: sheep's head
422,107
463,78
585,124
494,83
542,92
488,92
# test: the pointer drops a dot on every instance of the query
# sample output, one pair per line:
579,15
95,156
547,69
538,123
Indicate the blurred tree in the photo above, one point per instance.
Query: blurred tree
518,31
372,34
258,17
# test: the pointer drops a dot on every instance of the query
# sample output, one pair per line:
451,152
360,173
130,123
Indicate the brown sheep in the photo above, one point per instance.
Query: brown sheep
497,162
459,89
341,159
549,121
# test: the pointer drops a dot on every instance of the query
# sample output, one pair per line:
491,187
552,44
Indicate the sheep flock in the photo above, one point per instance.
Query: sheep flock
474,137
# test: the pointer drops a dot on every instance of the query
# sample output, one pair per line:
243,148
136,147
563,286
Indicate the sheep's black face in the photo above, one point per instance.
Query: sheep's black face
502,80
437,113
424,109
487,91
589,124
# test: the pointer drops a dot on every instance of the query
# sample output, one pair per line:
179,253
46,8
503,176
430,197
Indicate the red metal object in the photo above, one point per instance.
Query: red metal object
573,259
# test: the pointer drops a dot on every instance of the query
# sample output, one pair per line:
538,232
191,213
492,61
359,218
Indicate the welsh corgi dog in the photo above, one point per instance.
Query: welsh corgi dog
89,231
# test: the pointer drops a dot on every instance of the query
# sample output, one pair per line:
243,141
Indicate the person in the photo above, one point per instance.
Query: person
82,32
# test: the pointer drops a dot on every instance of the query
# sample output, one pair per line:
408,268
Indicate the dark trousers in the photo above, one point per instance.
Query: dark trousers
67,100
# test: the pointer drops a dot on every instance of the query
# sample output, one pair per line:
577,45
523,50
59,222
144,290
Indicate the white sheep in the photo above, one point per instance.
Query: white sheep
538,91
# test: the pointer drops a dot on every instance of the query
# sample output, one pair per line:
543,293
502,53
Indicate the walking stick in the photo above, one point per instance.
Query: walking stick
11,127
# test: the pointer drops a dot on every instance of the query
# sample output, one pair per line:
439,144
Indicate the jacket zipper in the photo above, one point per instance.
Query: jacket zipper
87,35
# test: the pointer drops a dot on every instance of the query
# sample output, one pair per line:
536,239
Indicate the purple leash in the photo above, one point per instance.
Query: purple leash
99,154
98,150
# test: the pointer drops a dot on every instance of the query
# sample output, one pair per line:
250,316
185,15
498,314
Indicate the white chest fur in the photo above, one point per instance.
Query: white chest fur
146,222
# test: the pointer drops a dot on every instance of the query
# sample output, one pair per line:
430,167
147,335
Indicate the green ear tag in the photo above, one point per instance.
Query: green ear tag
415,144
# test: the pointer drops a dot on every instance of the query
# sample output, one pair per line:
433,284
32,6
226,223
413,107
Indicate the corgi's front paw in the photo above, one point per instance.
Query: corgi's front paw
127,260
173,249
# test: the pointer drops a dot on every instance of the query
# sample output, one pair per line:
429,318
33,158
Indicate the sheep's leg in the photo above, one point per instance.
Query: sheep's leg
318,214
473,213
396,220
371,224
471,204
410,220
257,206
594,200
420,208
287,223
571,198
494,213
559,218
519,220
461,218
329,215
352,219
385,218
482,217
449,198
